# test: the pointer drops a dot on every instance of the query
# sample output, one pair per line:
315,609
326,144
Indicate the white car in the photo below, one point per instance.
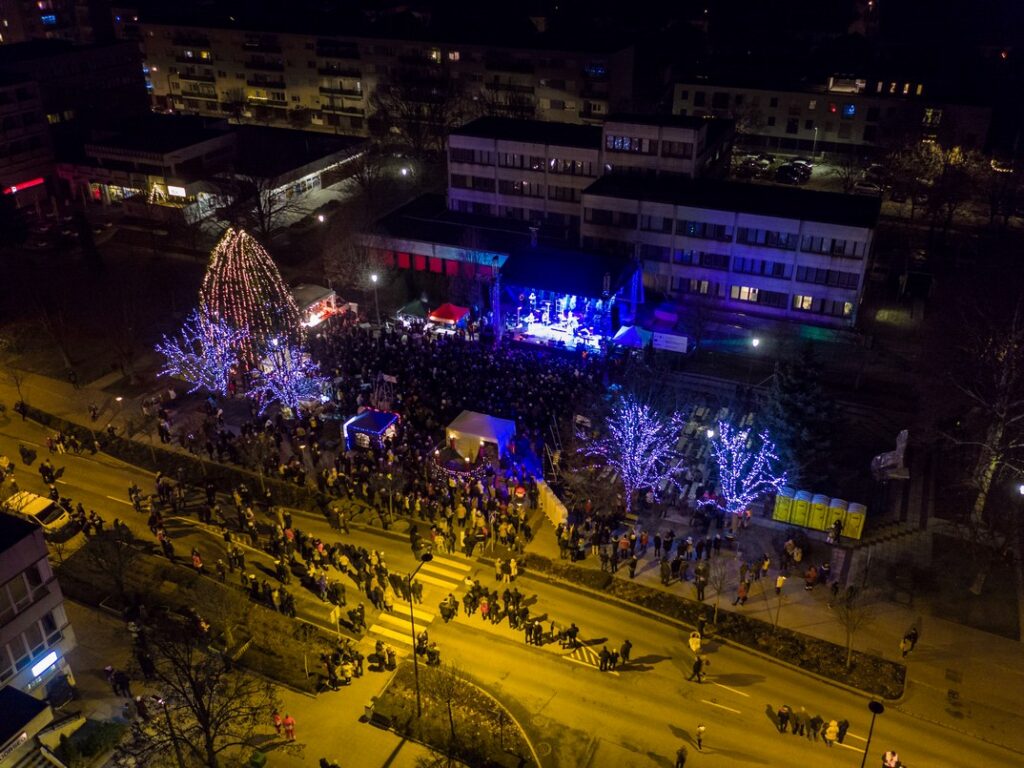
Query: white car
867,188
47,514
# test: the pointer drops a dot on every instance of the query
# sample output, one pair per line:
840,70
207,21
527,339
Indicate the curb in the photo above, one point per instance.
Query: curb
611,599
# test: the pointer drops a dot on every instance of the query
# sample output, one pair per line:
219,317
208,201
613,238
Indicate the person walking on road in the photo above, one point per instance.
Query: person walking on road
831,732
698,669
780,581
289,727
625,650
276,717
700,737
909,641
681,754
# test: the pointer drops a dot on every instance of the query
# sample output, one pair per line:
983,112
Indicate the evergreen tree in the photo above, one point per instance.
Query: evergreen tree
243,288
802,418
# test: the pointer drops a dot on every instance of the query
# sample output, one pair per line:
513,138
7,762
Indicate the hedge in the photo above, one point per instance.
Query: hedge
192,468
867,673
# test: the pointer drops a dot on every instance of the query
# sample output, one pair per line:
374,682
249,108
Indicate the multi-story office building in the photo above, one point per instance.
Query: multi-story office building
319,80
745,249
842,115
26,159
535,171
35,635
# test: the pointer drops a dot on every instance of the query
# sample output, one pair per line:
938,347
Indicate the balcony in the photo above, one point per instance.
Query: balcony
339,72
275,85
265,66
351,92
509,65
194,60
190,40
510,87
262,46
341,109
258,102
327,50
203,96
197,78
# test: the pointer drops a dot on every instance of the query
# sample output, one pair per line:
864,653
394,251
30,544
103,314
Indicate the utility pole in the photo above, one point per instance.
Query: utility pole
425,558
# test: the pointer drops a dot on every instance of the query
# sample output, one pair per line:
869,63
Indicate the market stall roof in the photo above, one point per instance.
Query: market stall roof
449,313
631,336
470,428
307,295
415,308
372,420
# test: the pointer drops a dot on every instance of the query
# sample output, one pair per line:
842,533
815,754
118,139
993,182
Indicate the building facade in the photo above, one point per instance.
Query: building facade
742,249
72,20
26,158
320,82
35,634
842,115
536,172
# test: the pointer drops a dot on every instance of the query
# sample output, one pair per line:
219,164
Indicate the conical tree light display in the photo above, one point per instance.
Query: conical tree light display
243,288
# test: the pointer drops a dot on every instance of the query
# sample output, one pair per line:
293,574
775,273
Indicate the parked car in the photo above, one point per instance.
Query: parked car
787,174
47,514
802,161
867,188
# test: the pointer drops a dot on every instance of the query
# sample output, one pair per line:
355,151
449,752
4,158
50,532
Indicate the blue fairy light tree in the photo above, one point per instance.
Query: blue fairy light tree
287,376
641,445
745,472
203,353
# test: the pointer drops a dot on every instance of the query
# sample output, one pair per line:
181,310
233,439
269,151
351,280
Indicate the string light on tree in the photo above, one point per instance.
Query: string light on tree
287,376
744,474
243,287
641,445
203,353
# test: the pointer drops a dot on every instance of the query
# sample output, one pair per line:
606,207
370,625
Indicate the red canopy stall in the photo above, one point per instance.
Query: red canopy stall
449,314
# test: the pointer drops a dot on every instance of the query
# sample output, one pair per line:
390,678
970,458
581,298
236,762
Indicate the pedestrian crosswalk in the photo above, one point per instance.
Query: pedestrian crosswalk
443,573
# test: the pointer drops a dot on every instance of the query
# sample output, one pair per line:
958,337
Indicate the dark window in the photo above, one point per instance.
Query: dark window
792,125
699,98
872,116
808,125
773,102
771,121
720,100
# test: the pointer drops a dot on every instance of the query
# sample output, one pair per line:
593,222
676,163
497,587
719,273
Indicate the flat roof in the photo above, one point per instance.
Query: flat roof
161,133
18,708
270,152
533,132
14,530
665,121
760,199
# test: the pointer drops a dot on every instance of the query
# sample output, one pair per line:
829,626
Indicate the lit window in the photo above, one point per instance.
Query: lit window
53,118
892,87
743,293
435,55
805,303
920,89
878,88
847,309
204,54
48,19
812,104
849,110
453,55
906,88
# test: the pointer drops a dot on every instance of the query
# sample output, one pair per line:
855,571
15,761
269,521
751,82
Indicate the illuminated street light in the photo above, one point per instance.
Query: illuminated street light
320,218
376,303
755,342
710,433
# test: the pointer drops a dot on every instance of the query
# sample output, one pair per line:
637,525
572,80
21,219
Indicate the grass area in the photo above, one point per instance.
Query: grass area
459,719
278,643
93,739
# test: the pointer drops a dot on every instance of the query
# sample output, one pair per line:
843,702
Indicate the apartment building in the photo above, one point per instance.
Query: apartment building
841,115
73,20
534,171
748,250
26,158
318,80
35,635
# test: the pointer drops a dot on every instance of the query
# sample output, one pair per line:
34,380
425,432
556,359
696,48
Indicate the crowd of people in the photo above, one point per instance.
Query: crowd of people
812,727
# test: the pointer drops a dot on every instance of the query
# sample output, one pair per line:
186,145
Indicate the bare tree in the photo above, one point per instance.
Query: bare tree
113,554
718,580
122,313
847,168
262,205
855,611
58,328
210,711
13,344
955,184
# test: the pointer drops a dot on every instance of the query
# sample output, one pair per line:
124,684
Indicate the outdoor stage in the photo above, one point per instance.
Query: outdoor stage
560,320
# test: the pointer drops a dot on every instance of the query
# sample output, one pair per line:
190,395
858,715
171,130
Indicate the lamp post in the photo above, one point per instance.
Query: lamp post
876,708
425,558
814,144
754,343
376,304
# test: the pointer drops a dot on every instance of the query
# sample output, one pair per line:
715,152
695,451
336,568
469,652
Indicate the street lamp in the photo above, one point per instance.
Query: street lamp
710,433
755,342
376,303
876,708
814,144
425,558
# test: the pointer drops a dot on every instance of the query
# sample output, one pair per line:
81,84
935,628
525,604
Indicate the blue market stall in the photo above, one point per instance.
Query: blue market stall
369,429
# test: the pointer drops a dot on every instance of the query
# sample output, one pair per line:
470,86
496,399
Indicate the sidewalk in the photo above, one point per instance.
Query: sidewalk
948,657
328,725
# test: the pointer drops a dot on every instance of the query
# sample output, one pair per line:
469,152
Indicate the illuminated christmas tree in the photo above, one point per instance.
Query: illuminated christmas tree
744,474
287,376
203,353
243,288
641,445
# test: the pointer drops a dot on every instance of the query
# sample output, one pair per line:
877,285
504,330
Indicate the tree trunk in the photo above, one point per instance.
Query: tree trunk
985,470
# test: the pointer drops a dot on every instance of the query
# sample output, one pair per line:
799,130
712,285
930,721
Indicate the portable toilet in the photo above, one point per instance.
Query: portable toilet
856,516
819,512
837,511
801,508
783,504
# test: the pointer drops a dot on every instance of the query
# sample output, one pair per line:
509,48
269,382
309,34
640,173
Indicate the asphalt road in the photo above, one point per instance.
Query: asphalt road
577,715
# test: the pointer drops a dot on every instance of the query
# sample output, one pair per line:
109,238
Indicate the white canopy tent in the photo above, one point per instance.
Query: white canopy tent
470,429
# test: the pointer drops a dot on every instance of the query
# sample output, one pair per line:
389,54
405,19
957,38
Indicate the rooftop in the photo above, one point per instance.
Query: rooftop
760,199
17,708
533,132
12,531
664,121
162,133
264,151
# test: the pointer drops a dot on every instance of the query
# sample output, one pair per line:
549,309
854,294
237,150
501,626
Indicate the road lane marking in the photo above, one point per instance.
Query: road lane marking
741,693
855,736
847,746
121,501
592,666
721,706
